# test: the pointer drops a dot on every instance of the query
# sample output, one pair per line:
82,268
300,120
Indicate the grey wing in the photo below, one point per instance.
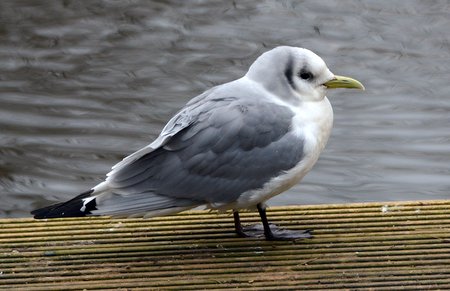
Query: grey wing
180,121
230,147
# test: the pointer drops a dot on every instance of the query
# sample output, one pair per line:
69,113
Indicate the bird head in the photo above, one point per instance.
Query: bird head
297,74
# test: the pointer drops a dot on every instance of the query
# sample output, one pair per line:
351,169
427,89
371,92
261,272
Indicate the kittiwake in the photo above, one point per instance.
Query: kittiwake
233,147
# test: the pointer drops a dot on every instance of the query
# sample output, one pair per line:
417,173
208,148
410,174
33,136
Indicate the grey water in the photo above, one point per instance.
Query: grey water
85,83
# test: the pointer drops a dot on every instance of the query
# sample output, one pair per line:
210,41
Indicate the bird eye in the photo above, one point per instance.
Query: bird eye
306,75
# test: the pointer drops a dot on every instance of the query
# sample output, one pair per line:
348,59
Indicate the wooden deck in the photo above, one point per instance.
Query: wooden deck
371,246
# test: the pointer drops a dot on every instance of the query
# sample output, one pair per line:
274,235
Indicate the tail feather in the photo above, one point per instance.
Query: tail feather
76,207
107,202
145,204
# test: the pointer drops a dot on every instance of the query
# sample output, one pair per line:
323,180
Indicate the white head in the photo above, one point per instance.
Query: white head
296,74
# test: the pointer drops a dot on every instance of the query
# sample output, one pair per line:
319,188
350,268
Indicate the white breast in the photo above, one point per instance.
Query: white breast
313,122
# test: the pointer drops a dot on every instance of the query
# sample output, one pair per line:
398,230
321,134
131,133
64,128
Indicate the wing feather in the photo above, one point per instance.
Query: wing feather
216,148
228,148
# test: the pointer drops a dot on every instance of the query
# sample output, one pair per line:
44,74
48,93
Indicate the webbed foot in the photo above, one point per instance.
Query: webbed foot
269,231
276,233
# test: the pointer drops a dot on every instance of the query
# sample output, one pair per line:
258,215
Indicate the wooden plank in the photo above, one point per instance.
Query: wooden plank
364,246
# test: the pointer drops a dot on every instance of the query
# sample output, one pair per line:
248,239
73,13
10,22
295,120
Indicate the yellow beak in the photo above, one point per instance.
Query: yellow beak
344,82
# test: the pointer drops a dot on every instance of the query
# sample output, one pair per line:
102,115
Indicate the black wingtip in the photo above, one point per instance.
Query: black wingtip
71,208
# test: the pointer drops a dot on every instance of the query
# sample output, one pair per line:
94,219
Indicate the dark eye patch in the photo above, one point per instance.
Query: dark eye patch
288,73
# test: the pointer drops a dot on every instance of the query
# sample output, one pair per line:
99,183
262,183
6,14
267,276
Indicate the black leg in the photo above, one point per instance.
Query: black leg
237,224
262,213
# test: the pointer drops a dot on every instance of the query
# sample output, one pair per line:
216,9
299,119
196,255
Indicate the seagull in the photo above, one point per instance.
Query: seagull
232,147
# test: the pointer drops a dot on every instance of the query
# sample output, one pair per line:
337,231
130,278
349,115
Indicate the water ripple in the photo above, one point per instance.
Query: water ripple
84,84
